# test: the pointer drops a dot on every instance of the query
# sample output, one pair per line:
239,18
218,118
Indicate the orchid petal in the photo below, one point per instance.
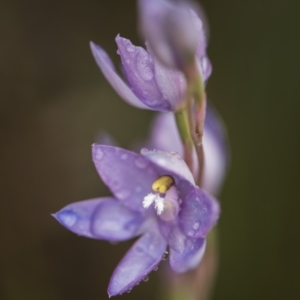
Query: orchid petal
171,83
169,162
114,222
199,213
100,218
108,70
185,253
139,69
139,261
170,31
128,175
216,152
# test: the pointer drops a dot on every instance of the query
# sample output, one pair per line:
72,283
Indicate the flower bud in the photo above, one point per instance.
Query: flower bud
173,31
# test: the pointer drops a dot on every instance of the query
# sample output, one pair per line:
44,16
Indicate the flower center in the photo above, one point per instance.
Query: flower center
164,198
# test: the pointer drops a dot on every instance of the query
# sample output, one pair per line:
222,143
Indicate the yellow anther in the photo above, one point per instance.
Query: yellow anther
162,184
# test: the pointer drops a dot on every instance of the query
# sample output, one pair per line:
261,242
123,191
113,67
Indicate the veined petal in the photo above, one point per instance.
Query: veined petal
139,69
114,222
169,162
101,218
139,261
199,213
108,70
128,175
171,83
185,253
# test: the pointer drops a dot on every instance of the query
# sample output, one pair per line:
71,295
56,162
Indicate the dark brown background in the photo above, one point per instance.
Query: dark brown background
54,102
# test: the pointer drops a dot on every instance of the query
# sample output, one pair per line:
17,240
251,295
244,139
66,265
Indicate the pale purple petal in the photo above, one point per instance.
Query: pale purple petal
101,218
113,222
139,70
216,152
199,213
164,134
171,83
185,253
169,162
139,261
170,30
205,67
128,175
108,70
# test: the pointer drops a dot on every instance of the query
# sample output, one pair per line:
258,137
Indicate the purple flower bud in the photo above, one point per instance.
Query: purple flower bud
179,217
174,32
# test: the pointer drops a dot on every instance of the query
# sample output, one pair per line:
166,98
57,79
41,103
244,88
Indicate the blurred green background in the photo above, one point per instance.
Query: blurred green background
54,102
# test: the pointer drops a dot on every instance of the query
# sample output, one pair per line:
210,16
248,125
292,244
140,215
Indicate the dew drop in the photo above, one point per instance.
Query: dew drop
146,279
99,154
155,268
124,156
144,151
175,154
165,255
138,189
143,66
190,233
122,194
68,218
130,48
141,162
196,226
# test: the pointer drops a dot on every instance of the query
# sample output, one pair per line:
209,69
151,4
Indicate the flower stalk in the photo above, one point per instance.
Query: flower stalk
182,122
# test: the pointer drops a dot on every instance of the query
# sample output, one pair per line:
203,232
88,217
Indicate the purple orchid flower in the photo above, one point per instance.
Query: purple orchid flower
149,83
155,197
164,136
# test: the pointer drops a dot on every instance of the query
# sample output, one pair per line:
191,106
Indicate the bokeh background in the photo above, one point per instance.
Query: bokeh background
54,102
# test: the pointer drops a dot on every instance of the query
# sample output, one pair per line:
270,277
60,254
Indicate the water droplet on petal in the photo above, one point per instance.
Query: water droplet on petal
99,154
124,156
129,291
144,151
68,218
130,48
196,226
122,194
190,233
141,162
143,65
165,255
138,189
155,268
146,279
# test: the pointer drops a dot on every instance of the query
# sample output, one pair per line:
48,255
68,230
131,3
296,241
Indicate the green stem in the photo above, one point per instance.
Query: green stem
196,94
182,122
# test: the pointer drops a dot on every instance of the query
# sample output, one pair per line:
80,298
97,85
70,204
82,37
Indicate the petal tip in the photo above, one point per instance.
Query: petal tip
66,218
